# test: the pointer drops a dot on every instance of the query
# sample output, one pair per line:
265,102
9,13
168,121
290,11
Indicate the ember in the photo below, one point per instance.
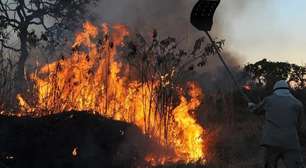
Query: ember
94,79
23,105
247,88
75,152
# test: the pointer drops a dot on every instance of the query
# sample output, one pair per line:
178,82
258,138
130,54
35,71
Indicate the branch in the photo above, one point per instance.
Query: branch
3,8
11,22
8,47
42,8
43,23
23,5
37,14
35,23
18,10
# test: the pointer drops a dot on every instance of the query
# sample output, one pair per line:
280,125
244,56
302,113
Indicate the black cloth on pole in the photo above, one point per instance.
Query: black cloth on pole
203,13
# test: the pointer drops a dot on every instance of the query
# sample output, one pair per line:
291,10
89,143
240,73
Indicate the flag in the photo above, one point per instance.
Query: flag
203,13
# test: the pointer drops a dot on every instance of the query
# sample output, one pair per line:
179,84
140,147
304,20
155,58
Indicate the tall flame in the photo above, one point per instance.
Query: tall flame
93,79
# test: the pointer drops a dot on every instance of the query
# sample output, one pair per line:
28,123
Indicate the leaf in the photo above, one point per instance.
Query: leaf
197,45
154,34
202,63
191,68
167,42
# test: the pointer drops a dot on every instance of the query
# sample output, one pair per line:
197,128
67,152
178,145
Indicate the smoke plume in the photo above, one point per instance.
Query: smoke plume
171,18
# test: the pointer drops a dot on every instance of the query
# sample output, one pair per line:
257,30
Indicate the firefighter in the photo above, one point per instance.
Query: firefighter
283,120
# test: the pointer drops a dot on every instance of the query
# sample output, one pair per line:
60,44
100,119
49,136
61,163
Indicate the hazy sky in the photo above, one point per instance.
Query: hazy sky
273,29
253,29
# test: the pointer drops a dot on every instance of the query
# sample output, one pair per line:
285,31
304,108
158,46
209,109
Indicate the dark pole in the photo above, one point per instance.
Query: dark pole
227,68
202,18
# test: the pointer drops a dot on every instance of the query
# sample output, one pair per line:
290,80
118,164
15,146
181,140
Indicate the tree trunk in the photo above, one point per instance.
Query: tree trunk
20,84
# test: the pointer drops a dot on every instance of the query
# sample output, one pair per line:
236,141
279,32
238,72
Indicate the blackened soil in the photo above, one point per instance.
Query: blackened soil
48,142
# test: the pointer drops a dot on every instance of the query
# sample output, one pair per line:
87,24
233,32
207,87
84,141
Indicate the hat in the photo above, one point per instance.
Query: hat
281,84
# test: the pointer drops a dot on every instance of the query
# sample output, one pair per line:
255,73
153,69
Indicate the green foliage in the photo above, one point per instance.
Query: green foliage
266,73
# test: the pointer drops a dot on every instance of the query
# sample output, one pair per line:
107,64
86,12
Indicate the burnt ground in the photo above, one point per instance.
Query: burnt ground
49,142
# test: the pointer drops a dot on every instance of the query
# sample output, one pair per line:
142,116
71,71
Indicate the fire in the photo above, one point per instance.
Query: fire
247,88
191,143
95,79
23,105
75,152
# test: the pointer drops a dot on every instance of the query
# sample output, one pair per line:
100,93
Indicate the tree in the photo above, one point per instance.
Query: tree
298,75
266,73
25,18
166,61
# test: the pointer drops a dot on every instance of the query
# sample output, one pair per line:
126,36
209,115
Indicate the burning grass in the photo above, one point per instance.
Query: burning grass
140,86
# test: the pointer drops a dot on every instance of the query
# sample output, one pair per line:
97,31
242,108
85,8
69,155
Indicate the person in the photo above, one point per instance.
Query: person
283,119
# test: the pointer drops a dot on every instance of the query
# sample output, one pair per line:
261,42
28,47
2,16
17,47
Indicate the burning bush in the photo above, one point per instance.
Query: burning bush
135,81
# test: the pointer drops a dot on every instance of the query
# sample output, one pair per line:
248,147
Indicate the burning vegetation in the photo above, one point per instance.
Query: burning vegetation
121,98
128,80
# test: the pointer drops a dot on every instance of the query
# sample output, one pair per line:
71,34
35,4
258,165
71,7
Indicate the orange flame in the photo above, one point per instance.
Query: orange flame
247,88
94,80
75,152
23,105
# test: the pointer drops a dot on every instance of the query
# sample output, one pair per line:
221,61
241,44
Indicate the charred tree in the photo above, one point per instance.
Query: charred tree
26,17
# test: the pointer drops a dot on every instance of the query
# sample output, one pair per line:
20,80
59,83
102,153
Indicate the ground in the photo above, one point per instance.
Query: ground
81,139
74,139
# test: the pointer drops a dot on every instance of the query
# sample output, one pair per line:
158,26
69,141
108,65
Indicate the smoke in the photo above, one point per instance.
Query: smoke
214,76
171,18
